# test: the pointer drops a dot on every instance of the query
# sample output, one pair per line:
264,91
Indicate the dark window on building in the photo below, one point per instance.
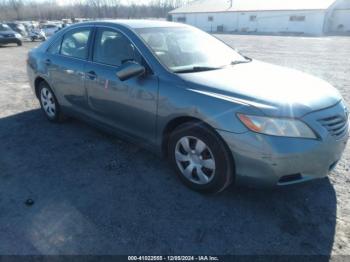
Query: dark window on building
210,18
220,28
181,19
252,18
297,18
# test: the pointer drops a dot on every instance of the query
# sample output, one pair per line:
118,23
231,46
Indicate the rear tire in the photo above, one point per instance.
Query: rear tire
49,103
201,158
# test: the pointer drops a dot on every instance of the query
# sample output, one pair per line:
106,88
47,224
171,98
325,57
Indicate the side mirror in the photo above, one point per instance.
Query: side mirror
130,69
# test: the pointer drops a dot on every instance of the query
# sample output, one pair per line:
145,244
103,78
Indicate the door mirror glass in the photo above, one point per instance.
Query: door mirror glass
129,70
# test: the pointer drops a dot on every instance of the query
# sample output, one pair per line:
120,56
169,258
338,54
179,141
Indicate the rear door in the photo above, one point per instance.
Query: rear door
129,106
66,62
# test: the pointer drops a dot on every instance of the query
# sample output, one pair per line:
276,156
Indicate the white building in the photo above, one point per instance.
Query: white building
267,16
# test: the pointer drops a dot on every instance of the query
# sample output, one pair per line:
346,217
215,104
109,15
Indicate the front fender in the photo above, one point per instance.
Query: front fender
177,100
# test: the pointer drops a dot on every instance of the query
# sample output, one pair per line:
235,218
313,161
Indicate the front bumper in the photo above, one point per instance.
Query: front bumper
262,160
9,40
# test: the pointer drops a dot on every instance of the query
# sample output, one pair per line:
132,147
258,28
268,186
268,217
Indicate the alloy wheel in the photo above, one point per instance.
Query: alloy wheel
195,160
48,102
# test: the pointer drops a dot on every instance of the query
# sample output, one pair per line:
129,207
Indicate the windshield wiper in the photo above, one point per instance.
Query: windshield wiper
196,69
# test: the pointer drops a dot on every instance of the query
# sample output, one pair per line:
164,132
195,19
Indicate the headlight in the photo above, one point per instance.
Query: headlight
277,126
18,35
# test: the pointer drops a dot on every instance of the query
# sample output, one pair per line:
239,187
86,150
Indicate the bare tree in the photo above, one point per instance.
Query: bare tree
16,6
94,9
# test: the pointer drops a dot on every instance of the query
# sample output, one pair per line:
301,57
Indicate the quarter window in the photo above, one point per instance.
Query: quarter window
113,48
75,43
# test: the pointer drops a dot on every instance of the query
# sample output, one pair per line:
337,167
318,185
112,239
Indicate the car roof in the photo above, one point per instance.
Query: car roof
136,23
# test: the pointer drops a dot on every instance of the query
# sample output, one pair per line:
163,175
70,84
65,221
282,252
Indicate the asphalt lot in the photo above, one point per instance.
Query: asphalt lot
95,194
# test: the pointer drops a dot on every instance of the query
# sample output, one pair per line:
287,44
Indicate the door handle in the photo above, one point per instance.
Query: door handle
91,75
47,62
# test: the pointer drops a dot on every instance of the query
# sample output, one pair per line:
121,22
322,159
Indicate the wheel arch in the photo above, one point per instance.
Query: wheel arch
174,123
37,83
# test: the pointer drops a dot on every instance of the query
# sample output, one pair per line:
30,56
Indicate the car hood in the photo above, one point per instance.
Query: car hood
275,90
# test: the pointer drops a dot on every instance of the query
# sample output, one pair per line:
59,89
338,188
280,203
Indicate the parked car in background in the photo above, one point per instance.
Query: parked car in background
50,29
18,27
37,34
65,25
217,115
8,36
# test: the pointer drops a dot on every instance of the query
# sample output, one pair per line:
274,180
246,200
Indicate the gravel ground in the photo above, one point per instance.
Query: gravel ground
95,194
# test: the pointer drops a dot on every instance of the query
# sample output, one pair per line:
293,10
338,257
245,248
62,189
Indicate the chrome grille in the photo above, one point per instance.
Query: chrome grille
336,125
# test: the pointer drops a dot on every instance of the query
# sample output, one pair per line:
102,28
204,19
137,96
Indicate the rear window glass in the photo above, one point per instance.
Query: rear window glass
75,43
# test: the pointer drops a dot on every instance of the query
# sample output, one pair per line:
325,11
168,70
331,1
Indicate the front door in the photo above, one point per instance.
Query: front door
130,105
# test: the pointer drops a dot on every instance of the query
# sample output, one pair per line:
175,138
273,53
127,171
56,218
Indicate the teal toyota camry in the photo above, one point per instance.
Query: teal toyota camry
218,116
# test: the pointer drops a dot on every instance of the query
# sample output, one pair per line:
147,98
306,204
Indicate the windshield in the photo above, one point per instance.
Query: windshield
49,26
4,27
186,49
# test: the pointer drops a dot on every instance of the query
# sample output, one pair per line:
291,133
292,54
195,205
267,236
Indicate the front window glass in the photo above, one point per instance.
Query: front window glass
75,43
113,48
184,48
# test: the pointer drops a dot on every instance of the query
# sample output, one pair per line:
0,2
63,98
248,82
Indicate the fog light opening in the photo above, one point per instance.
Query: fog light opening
290,178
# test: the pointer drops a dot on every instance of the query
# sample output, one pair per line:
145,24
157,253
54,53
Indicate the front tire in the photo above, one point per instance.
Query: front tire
49,103
201,158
